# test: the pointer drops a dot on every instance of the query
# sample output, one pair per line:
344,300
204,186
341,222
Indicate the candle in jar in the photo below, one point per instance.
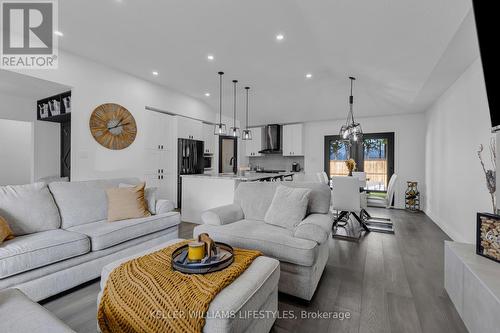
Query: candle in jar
196,251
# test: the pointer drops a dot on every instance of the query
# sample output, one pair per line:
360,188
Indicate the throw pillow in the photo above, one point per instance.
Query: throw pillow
5,232
149,195
288,207
29,208
53,179
126,203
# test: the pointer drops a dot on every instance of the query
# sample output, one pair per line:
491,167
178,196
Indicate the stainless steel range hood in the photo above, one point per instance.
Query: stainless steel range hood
272,140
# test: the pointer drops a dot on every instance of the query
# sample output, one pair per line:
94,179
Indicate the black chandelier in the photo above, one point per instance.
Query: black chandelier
220,128
247,133
351,131
234,131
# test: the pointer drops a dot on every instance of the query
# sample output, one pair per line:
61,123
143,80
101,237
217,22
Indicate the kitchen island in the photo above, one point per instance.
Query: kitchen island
205,191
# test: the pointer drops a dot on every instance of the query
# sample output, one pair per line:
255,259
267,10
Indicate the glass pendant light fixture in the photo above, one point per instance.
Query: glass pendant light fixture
351,131
220,128
234,131
247,134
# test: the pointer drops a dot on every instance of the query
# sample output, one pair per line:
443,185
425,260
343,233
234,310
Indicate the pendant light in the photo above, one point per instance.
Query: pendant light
351,131
247,134
235,131
220,128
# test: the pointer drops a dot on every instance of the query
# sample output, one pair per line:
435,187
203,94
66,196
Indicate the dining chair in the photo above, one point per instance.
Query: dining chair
381,224
322,177
385,201
345,199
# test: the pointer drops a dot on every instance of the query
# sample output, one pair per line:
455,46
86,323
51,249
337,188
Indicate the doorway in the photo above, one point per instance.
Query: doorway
374,155
228,154
66,149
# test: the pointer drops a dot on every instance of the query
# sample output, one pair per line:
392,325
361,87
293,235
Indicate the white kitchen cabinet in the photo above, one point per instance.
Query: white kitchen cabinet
158,131
188,128
158,162
159,172
160,154
286,144
252,147
208,138
293,140
152,161
164,184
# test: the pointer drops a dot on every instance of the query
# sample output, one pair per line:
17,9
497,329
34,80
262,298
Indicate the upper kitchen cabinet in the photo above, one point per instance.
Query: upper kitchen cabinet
158,131
188,128
252,147
209,138
293,140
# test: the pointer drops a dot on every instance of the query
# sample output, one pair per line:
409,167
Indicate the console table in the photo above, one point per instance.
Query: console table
473,284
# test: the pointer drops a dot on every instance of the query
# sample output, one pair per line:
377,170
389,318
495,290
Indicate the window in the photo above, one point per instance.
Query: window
374,155
339,152
375,163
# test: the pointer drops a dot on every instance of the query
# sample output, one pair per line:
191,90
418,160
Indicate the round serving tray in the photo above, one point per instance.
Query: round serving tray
223,258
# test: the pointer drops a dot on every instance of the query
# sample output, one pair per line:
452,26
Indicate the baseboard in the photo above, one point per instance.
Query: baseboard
444,227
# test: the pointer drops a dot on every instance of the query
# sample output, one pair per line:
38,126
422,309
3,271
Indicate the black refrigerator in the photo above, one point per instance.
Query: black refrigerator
190,161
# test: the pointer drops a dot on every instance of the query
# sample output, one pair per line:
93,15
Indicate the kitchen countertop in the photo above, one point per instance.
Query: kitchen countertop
248,177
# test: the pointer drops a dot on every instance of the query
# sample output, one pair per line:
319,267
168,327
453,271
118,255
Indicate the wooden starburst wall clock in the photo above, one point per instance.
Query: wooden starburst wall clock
113,126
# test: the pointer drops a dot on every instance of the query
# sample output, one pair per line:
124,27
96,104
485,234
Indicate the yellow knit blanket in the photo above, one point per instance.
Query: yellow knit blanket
146,295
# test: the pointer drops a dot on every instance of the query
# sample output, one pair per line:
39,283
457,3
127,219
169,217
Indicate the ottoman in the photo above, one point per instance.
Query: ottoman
252,297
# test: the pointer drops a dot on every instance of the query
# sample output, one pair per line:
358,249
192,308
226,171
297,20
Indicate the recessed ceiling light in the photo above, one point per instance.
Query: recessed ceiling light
58,33
309,75
210,57
207,94
280,37
155,73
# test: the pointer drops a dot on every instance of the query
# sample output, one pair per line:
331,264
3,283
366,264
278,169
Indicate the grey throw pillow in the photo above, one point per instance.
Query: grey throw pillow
149,196
289,207
29,208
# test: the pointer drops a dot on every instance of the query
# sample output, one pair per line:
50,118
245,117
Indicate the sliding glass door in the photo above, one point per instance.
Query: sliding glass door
336,152
374,155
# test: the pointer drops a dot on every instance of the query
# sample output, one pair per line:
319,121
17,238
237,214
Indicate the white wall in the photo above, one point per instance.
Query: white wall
17,108
93,84
276,162
16,153
409,147
47,149
456,124
45,138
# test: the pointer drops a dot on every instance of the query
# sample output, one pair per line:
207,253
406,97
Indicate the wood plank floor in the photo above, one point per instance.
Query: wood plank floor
387,283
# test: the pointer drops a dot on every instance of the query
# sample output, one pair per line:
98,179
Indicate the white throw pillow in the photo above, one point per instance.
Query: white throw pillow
289,207
149,196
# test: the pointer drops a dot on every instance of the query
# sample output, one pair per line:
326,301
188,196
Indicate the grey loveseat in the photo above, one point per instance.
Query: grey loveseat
62,236
302,252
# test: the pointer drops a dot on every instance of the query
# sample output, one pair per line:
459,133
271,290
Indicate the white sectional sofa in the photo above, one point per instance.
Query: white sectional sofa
18,314
63,238
302,252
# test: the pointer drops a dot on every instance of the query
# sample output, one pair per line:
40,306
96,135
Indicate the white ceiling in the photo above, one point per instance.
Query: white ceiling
401,51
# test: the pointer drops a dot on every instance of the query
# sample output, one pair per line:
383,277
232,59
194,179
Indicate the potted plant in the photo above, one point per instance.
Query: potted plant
351,165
